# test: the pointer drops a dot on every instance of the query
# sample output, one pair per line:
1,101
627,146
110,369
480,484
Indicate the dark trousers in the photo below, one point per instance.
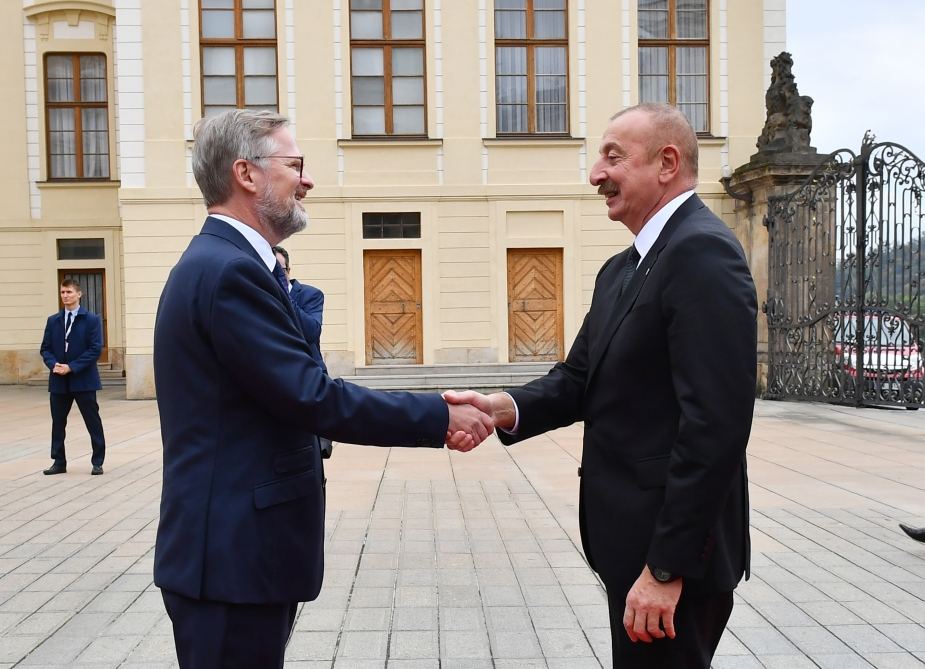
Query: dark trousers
699,622
90,410
219,635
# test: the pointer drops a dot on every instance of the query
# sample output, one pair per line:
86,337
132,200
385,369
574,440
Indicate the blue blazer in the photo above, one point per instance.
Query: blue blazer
240,399
84,348
309,303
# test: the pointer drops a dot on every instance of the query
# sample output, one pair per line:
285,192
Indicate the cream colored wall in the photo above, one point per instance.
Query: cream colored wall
478,195
36,213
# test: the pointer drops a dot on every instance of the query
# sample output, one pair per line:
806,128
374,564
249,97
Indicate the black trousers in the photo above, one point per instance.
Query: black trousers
60,408
220,635
699,622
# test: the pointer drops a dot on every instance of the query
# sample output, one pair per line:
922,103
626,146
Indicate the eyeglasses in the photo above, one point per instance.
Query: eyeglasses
301,160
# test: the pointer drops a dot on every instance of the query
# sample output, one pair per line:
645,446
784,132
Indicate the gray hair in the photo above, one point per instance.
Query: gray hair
671,127
221,140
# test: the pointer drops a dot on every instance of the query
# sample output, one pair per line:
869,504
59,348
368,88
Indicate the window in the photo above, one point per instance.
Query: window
392,225
81,249
531,67
238,42
387,67
673,54
77,116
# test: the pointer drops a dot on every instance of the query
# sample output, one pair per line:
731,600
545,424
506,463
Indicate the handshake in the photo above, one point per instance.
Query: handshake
473,416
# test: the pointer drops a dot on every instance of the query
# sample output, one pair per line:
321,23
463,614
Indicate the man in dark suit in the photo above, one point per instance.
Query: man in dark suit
241,532
71,345
308,303
662,373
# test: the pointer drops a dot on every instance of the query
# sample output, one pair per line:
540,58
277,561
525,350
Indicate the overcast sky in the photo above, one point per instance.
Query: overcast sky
863,63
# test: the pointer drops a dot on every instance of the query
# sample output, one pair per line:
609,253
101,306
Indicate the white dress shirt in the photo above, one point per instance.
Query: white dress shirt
261,245
644,242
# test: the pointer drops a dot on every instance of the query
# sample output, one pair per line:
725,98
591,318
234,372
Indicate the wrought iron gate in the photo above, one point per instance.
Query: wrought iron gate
846,320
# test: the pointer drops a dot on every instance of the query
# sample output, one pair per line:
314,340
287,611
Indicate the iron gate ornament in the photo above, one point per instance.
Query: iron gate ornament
845,310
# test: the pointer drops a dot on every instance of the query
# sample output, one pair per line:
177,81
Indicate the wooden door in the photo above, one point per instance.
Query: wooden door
93,297
394,326
534,304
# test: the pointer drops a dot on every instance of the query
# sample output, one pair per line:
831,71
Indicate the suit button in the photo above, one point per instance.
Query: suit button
579,472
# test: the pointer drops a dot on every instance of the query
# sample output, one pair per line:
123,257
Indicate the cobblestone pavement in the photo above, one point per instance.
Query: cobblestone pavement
438,559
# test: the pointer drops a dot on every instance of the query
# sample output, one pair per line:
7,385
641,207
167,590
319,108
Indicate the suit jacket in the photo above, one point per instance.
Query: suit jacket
309,302
84,347
664,380
240,400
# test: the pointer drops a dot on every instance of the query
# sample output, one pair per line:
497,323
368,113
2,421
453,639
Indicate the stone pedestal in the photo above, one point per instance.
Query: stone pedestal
766,175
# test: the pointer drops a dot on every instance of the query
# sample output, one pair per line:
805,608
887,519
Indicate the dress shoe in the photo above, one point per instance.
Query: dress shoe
917,533
97,470
55,469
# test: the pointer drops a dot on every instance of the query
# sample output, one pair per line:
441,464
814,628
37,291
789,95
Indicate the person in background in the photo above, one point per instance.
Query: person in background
308,302
71,347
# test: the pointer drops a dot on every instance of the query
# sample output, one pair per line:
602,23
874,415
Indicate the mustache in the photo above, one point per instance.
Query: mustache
607,188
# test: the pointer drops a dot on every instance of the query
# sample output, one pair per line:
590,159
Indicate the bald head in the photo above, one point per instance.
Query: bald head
669,126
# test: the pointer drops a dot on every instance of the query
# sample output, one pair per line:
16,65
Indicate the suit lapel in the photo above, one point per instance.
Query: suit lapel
614,309
219,228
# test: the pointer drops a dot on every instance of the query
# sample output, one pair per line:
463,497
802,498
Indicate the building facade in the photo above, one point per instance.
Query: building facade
450,144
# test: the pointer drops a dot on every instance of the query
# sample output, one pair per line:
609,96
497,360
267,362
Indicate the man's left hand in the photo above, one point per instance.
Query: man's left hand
650,607
62,368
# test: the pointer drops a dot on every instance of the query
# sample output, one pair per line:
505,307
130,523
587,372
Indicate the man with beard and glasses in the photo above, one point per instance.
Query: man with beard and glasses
241,531
662,373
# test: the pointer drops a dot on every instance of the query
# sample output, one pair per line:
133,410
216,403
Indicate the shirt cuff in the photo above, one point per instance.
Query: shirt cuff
514,429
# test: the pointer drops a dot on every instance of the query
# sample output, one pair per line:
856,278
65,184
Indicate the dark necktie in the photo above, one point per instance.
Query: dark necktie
67,330
281,279
632,259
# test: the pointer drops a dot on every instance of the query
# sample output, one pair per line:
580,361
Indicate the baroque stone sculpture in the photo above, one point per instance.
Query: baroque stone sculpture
788,123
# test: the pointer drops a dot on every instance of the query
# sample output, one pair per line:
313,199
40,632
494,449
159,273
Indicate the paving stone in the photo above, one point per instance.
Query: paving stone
464,645
368,619
509,644
736,662
410,645
786,662
307,645
765,641
111,649
841,661
460,619
564,643
553,617
815,640
363,645
15,648
893,660
864,639
909,636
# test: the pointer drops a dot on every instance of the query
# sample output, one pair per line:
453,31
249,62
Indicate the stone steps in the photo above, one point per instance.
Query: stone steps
484,377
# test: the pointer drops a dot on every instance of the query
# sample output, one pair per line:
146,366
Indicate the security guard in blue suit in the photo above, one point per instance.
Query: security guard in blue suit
71,346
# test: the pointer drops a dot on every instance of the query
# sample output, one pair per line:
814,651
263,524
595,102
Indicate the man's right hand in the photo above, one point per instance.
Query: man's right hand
468,426
500,406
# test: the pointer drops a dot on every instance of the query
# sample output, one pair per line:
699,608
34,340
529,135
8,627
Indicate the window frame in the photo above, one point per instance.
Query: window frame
531,43
387,44
76,105
238,43
672,43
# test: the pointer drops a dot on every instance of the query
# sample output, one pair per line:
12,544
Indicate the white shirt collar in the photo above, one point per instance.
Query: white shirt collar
645,240
72,311
261,245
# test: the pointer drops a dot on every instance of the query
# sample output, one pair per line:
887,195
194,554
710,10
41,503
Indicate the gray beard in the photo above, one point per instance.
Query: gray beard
284,218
